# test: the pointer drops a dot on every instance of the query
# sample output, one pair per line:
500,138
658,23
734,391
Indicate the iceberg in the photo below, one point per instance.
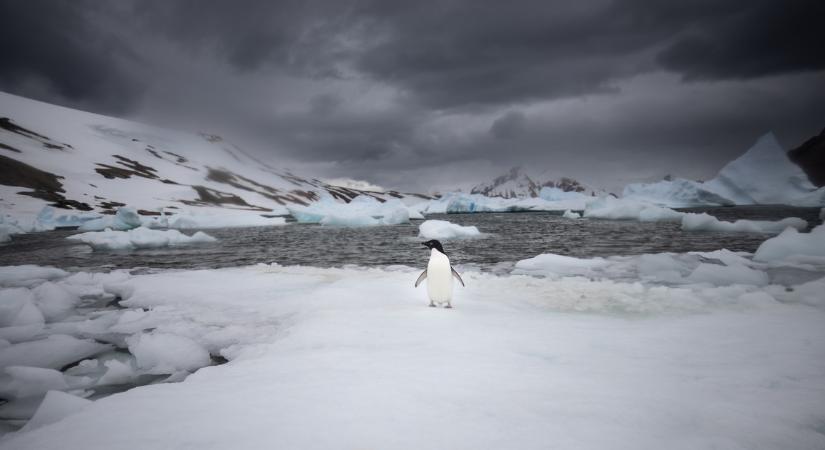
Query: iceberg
138,238
192,220
125,219
763,175
459,203
444,230
361,211
613,208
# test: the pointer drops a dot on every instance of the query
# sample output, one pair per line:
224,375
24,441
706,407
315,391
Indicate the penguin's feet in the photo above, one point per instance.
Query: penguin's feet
449,306
432,305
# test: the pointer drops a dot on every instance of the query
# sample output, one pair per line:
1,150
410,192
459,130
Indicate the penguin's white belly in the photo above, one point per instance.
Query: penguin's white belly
439,278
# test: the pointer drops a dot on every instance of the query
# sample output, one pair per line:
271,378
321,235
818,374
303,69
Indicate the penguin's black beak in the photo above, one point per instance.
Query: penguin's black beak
425,244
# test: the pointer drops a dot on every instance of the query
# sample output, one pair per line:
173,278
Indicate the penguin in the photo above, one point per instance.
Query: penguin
439,275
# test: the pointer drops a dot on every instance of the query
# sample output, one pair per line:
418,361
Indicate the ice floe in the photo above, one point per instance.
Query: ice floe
444,230
793,244
706,222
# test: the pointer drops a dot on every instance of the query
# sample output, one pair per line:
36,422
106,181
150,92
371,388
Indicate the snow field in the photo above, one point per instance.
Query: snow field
352,357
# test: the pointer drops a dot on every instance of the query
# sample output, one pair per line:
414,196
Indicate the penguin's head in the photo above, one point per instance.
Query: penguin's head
434,244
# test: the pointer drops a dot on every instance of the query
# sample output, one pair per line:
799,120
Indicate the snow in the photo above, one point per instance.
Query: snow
55,407
154,169
762,175
125,219
138,238
628,209
521,361
706,222
558,265
163,353
444,230
362,211
791,243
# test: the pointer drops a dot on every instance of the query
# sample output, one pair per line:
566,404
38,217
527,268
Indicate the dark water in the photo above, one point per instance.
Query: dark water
513,236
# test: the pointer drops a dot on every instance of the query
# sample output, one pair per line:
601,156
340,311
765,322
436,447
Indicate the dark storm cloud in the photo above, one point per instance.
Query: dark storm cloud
385,86
761,38
58,47
509,125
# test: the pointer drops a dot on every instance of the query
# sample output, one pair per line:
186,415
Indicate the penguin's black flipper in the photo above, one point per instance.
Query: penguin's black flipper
421,278
457,276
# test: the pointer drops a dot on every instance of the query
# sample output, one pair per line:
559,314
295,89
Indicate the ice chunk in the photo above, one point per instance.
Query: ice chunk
553,264
141,237
17,308
54,301
571,215
28,275
629,209
792,243
677,193
55,407
163,353
718,275
117,372
52,352
29,381
125,219
22,333
706,222
443,230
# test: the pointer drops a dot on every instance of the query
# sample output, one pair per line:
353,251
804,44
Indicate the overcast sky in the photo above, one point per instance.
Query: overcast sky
423,95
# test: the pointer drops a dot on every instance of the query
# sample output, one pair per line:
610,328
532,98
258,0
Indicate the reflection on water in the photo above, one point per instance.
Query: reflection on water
511,237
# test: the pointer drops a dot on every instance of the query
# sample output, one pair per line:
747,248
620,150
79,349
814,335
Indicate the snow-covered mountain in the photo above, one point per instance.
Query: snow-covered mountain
516,183
88,162
763,175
